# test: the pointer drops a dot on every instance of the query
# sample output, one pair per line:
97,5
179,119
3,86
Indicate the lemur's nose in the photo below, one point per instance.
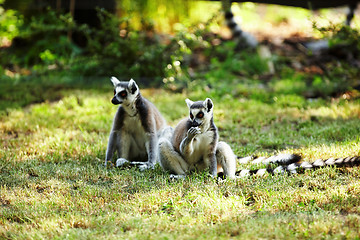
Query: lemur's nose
115,101
195,124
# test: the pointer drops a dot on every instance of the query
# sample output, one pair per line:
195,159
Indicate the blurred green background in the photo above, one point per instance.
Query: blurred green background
174,45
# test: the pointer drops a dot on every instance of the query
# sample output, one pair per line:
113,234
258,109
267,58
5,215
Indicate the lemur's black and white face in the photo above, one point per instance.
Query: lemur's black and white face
200,112
124,92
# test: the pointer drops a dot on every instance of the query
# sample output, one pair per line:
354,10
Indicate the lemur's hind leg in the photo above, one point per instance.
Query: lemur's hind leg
170,160
226,159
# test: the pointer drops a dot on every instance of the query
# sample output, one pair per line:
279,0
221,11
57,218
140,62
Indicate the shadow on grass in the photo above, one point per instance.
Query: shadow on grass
18,93
26,90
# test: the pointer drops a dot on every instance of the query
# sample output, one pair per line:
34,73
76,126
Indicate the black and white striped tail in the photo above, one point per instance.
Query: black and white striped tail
290,163
350,15
243,37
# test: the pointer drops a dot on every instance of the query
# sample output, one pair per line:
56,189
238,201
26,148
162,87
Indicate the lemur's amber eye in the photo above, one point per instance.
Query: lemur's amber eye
200,115
114,91
123,94
191,116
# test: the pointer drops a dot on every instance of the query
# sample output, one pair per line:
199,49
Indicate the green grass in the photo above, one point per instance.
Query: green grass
54,185
54,128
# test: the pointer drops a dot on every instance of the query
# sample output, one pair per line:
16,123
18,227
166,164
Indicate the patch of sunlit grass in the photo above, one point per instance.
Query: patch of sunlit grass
54,185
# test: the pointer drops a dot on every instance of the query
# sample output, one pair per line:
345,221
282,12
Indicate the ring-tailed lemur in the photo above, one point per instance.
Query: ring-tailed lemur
136,127
245,39
195,145
291,163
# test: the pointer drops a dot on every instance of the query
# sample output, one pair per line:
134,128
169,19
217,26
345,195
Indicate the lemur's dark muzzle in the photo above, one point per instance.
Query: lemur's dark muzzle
115,101
195,124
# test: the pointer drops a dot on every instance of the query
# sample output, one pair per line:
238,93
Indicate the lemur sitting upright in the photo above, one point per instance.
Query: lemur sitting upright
195,145
136,127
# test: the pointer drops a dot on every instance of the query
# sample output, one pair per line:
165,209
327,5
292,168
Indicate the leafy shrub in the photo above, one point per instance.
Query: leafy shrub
127,53
43,42
108,50
341,36
342,70
10,22
206,61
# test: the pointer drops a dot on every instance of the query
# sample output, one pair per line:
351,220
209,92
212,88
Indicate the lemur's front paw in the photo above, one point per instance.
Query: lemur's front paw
146,166
193,131
121,162
175,177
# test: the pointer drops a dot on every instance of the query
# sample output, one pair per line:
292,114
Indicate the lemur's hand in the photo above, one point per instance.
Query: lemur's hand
121,162
145,166
192,132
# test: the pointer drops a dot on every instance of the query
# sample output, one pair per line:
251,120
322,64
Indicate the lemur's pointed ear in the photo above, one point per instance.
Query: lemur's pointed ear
115,81
208,104
132,86
189,102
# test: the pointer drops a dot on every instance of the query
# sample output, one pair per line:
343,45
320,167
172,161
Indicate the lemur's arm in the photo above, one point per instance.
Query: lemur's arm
151,149
151,145
115,136
113,139
186,145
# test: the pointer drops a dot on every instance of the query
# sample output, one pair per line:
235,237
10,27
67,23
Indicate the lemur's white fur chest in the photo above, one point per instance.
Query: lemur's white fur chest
135,132
201,147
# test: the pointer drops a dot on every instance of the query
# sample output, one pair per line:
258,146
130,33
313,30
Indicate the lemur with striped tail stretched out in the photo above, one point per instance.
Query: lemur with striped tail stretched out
195,146
291,163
